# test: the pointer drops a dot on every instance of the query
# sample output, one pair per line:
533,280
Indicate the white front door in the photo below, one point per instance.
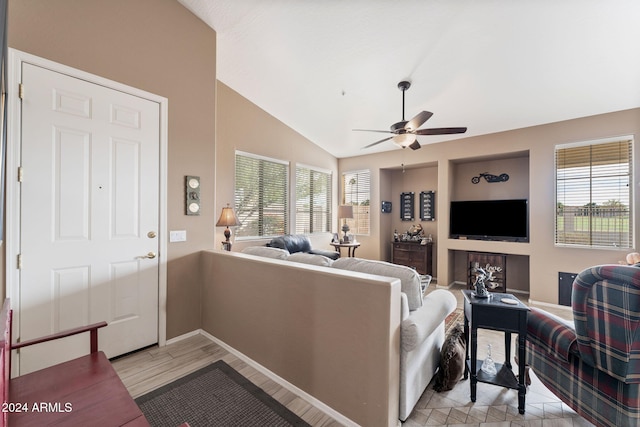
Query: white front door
89,216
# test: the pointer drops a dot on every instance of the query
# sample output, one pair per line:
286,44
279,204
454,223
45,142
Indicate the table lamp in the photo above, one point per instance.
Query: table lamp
227,219
345,211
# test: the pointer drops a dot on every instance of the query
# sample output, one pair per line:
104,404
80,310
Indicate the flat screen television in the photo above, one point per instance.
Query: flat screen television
503,220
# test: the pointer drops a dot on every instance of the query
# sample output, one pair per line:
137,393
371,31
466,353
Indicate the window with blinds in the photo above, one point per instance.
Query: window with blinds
356,192
594,194
261,196
313,200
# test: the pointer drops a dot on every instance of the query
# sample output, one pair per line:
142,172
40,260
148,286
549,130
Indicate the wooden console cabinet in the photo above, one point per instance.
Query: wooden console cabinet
413,254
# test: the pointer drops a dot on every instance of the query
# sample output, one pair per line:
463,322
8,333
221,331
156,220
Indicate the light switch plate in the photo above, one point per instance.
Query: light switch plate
177,236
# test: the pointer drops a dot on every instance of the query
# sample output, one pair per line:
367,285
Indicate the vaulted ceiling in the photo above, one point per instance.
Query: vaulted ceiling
327,67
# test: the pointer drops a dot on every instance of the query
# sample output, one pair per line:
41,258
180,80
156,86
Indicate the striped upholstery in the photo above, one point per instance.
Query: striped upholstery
594,368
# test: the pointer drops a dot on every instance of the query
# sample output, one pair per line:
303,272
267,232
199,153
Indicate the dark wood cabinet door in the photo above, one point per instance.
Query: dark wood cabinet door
413,254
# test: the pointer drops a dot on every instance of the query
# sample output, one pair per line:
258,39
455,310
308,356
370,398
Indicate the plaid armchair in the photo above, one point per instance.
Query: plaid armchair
594,366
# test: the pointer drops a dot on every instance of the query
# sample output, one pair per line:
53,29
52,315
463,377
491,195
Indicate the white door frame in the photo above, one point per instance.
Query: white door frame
13,161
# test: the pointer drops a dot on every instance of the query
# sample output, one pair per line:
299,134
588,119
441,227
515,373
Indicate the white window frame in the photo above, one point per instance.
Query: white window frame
595,241
238,205
361,222
308,215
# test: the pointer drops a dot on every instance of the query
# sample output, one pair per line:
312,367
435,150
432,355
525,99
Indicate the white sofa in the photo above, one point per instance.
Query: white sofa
422,318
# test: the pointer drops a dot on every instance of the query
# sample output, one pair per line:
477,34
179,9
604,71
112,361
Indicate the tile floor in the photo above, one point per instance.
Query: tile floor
495,406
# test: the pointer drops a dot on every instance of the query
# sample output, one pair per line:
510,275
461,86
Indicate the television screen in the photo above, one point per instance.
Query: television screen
506,220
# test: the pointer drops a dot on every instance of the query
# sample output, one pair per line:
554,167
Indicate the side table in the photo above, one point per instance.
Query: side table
492,313
351,248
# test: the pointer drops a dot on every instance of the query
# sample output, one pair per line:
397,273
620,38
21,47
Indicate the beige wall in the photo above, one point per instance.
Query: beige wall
537,143
334,334
422,178
241,125
160,47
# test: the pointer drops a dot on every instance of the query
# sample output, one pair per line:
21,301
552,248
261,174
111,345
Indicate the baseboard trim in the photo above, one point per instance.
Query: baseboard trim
281,381
450,285
183,337
459,283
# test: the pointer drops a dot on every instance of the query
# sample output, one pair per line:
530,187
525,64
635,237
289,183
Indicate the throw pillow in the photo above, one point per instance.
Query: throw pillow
310,259
452,360
266,252
409,278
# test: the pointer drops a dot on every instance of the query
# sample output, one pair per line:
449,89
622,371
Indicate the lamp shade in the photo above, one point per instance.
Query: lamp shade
227,218
345,211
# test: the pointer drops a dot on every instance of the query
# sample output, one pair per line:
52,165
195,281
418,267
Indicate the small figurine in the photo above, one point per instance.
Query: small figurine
415,230
481,289
396,238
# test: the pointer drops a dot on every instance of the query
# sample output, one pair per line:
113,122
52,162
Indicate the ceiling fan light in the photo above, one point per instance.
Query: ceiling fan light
404,139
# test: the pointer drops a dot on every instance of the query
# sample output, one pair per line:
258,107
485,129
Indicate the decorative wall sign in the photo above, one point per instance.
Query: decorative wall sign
192,195
386,207
490,177
407,206
427,206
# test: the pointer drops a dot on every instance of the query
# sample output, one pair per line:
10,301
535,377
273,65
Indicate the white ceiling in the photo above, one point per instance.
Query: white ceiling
327,67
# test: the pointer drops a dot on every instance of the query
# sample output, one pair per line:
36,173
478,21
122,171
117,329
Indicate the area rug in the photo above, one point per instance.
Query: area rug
457,316
216,395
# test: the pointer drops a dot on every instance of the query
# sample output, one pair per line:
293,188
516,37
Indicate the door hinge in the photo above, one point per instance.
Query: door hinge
20,174
19,261
20,91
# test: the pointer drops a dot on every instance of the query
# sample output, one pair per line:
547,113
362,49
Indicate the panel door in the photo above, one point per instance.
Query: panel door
89,216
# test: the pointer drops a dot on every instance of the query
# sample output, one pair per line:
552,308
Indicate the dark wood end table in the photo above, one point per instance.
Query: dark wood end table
351,248
492,313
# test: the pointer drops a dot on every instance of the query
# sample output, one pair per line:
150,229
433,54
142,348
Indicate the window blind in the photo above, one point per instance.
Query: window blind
313,200
356,192
594,194
261,196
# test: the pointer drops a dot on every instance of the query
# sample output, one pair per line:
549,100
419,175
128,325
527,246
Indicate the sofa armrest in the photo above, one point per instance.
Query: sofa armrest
555,335
291,242
329,254
404,304
423,321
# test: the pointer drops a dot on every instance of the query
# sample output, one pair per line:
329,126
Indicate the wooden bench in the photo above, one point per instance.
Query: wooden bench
82,392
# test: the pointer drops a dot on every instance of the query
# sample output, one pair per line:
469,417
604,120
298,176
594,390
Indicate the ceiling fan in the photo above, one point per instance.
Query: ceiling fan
406,132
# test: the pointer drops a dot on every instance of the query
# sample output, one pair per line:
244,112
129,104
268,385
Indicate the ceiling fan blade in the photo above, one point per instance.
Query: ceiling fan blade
415,145
377,142
418,120
371,130
440,131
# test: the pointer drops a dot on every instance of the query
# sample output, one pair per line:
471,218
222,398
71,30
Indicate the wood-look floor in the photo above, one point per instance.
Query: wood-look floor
152,368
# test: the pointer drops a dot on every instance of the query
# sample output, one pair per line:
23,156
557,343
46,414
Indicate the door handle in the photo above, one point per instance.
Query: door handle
150,255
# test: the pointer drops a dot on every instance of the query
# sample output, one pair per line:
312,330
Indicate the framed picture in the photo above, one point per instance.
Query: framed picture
335,238
427,206
386,207
407,206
